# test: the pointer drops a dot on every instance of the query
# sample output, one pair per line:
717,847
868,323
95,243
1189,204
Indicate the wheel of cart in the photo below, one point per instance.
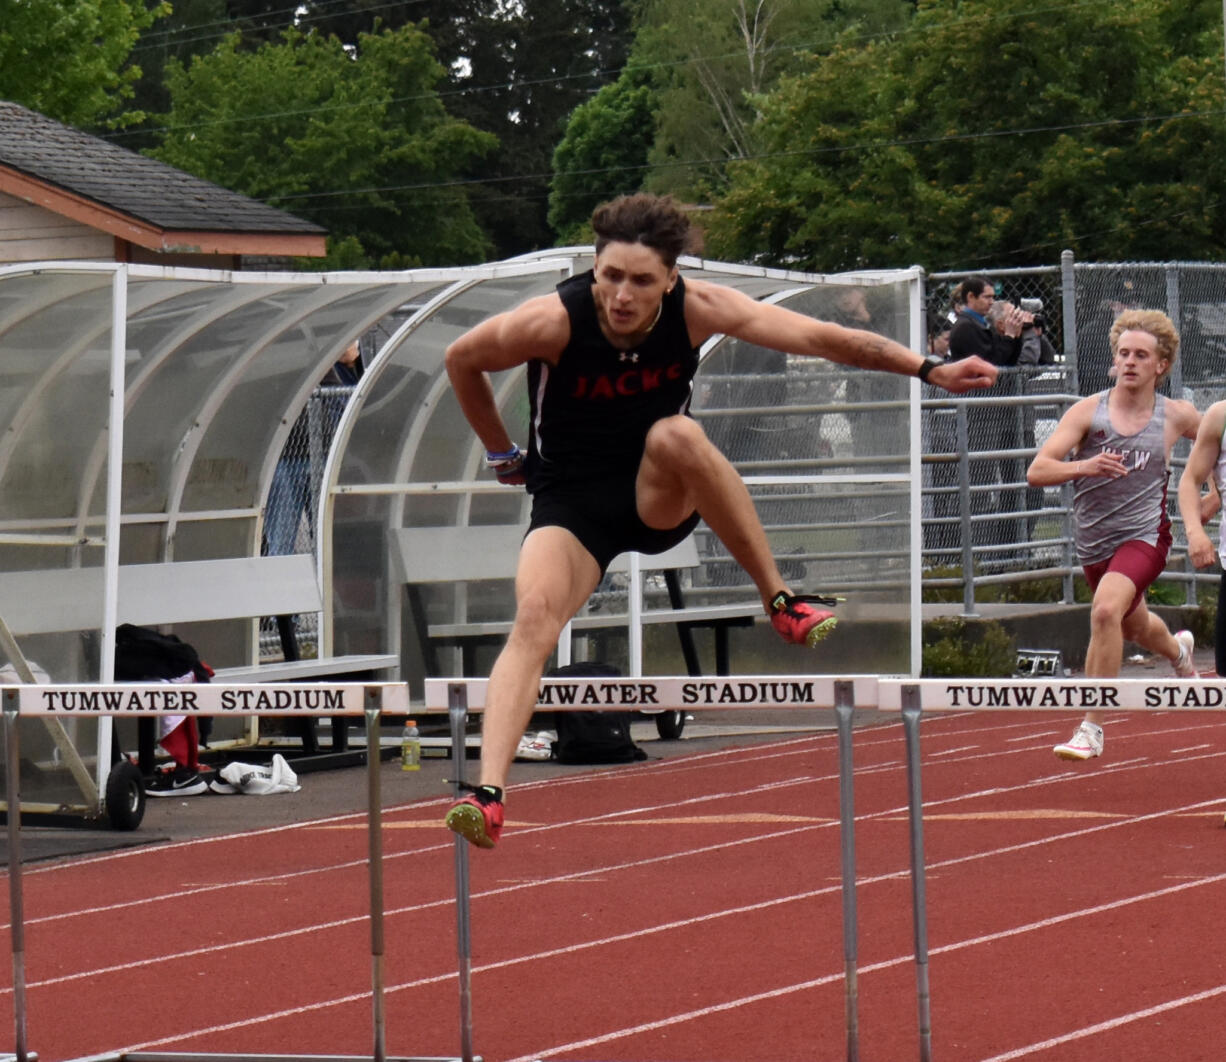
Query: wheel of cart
124,802
670,724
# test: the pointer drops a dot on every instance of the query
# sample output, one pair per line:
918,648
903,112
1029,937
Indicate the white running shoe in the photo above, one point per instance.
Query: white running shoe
1085,744
538,746
1185,666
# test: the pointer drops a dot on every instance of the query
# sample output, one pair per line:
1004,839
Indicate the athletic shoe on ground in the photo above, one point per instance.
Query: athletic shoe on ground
477,817
1185,666
538,746
797,621
1085,744
175,782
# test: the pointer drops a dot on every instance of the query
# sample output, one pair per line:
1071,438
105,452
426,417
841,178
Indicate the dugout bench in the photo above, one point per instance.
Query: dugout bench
425,556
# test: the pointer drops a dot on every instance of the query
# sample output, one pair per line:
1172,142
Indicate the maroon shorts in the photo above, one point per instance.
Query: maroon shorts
1139,561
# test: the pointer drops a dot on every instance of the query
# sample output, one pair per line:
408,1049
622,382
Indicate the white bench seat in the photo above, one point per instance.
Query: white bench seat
169,593
698,615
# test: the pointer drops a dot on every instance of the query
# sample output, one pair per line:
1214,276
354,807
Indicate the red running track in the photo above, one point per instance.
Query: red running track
689,910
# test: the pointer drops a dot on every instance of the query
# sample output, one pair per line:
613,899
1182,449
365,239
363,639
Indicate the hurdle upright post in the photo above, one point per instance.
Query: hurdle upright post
844,708
372,705
912,706
457,710
17,932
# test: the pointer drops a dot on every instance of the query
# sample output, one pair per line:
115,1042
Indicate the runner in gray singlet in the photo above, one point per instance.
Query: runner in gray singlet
1109,512
1115,448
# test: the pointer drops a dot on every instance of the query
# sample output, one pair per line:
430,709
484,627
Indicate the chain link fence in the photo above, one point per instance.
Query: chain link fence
292,507
983,524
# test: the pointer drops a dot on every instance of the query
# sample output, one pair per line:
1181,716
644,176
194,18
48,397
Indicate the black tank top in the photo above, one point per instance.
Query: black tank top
591,411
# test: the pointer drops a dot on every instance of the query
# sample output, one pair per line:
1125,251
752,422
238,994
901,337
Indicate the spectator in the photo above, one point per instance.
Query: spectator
972,334
995,481
941,435
1036,350
938,339
291,494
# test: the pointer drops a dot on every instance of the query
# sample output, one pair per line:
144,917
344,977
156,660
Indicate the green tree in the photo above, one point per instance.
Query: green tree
516,70
712,61
68,59
355,139
193,27
603,154
991,133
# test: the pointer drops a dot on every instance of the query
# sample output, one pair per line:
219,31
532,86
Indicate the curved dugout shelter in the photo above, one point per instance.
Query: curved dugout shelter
201,375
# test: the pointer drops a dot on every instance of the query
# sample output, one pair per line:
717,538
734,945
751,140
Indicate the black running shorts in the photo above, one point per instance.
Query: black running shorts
603,516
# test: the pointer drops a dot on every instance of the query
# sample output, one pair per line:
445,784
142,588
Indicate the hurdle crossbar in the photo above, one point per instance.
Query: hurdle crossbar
649,694
369,700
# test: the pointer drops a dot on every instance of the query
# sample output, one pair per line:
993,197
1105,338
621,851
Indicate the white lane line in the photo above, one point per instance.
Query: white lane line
1107,1026
1063,775
676,1019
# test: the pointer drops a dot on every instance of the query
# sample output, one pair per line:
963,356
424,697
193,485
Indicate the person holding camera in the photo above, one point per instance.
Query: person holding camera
994,333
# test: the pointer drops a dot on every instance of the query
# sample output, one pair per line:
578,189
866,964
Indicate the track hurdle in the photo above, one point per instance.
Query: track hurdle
369,700
460,696
911,697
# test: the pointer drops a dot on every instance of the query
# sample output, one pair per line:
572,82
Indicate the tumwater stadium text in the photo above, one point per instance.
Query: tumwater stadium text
726,691
180,699
1175,695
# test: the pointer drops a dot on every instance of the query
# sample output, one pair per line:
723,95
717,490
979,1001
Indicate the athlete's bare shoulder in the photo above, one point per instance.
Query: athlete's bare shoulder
1081,412
537,329
541,322
1183,416
712,309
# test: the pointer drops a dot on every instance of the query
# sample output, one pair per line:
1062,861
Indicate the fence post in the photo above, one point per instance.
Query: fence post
1068,314
964,498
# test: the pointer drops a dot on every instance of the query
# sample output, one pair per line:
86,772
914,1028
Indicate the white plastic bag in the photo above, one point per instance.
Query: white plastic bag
256,780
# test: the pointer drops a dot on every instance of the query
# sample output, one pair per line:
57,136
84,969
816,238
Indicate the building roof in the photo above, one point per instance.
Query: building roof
102,184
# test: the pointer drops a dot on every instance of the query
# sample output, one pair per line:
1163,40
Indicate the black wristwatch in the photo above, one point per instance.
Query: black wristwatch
930,363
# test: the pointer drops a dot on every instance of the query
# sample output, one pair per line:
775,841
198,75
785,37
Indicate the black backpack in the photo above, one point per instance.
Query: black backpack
593,737
142,654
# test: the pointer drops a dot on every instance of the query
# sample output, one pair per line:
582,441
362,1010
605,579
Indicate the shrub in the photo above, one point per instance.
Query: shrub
954,648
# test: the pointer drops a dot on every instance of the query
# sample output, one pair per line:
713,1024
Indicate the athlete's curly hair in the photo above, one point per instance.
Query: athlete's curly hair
1154,323
656,221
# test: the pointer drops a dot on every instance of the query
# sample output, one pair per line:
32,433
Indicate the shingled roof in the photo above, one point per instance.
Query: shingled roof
138,198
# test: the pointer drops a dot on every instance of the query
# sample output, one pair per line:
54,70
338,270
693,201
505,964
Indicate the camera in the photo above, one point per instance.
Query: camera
1034,306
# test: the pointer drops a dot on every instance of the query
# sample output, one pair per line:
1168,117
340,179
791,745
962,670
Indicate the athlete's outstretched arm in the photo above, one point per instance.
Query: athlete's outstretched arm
1197,472
712,308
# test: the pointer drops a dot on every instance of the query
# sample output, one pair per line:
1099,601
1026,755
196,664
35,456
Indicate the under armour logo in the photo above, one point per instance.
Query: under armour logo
623,356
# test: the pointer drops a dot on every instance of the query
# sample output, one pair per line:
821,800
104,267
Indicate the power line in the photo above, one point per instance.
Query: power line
228,26
765,156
